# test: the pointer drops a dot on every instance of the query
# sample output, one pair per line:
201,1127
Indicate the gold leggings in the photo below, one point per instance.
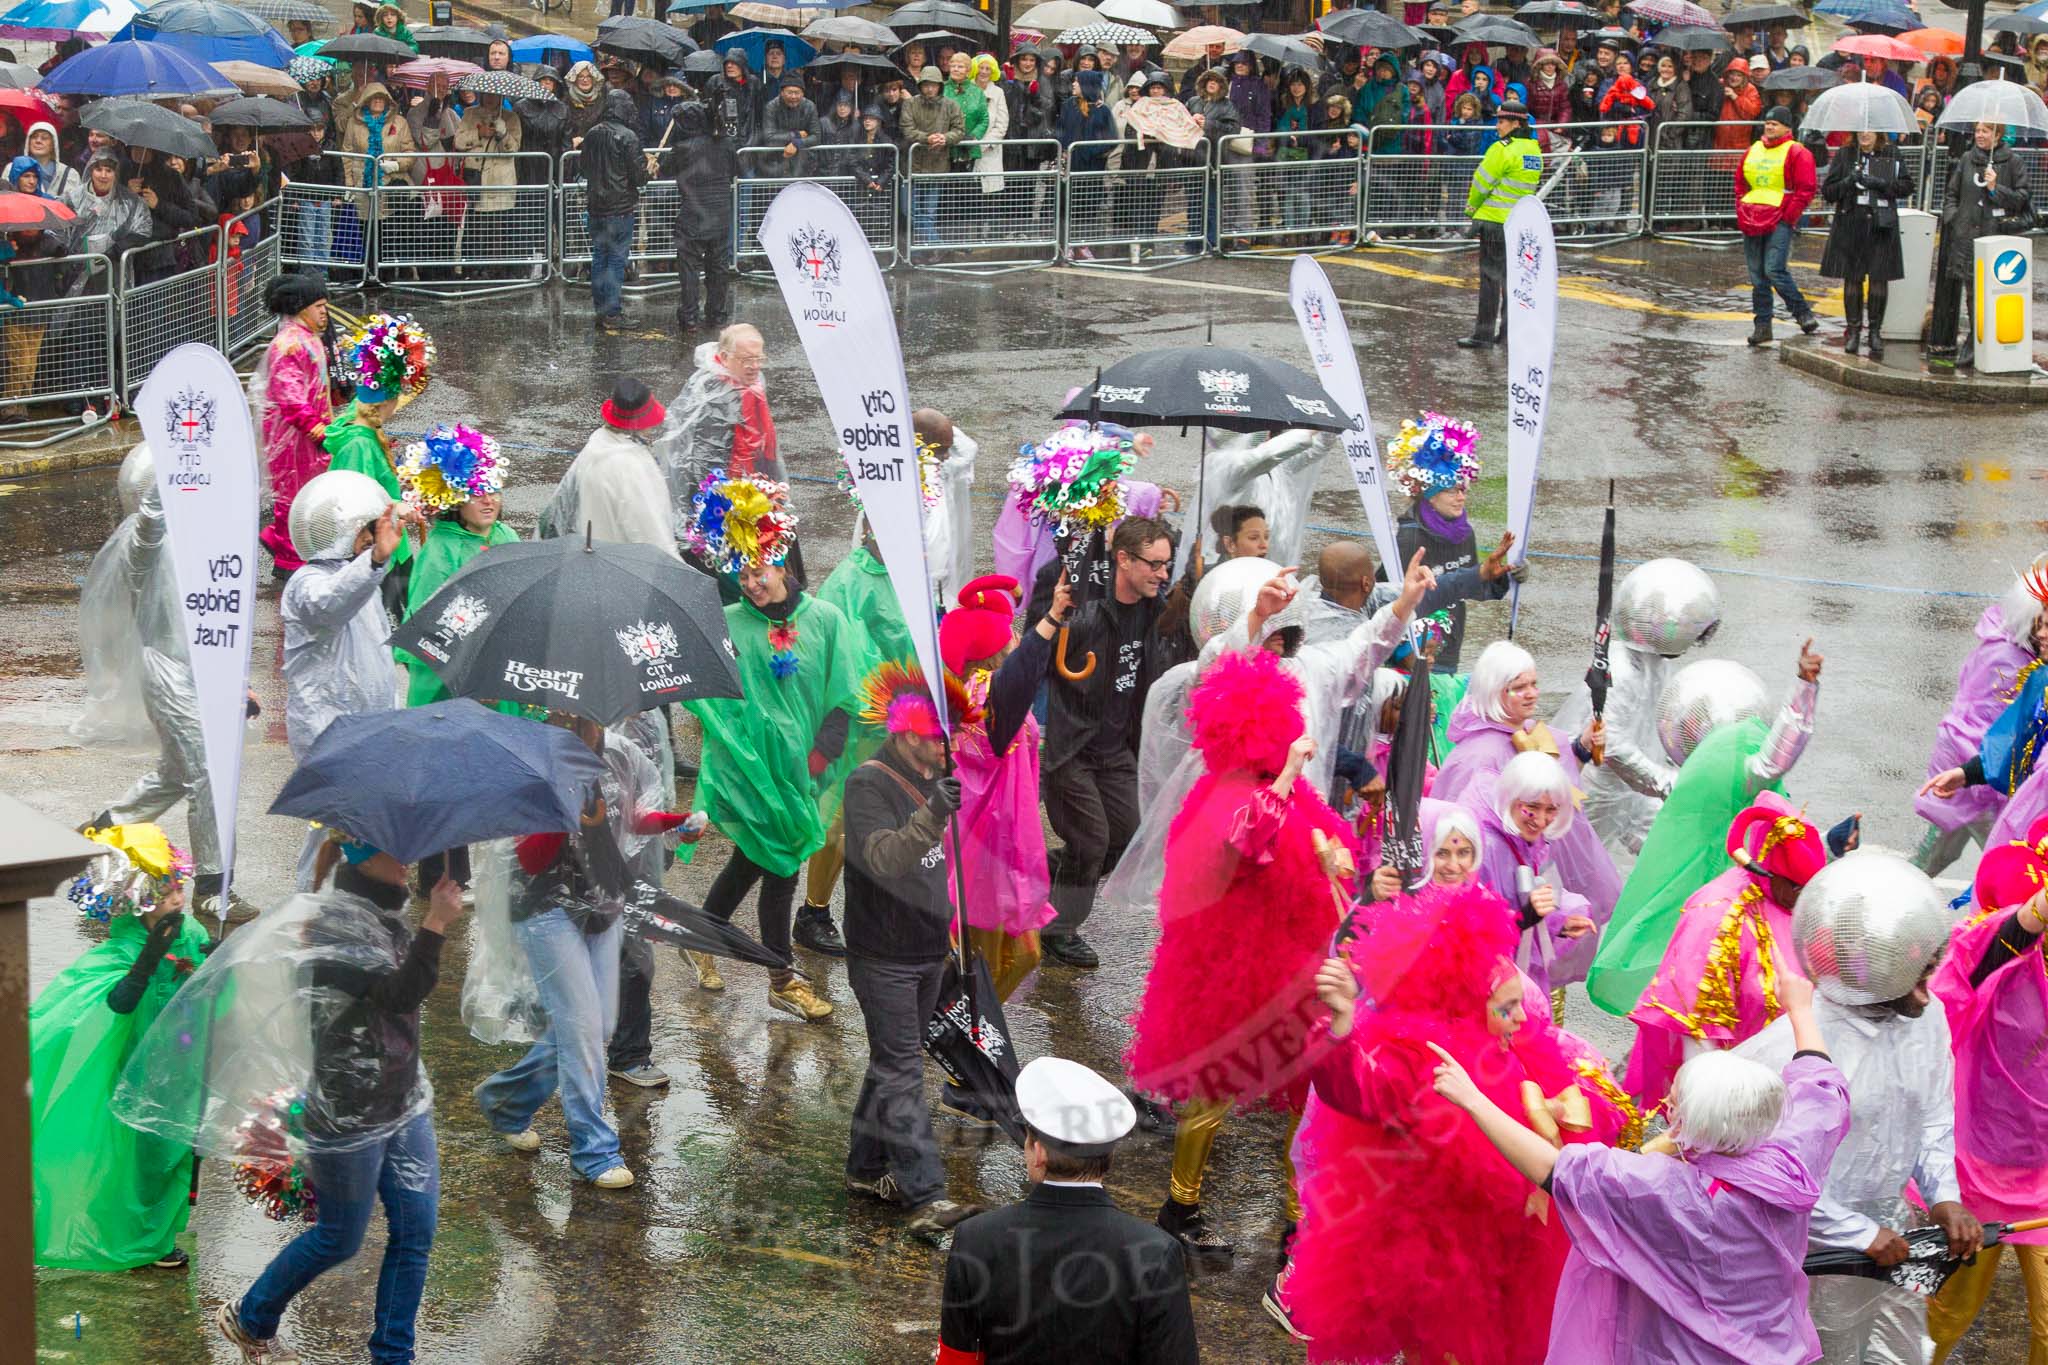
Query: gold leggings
1010,960
1950,1313
1200,1121
822,874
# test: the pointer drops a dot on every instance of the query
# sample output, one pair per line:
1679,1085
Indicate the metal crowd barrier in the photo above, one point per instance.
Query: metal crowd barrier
1156,215
1692,184
170,294
1934,181
328,228
654,225
1305,198
1420,195
1596,180
865,177
458,239
57,350
245,275
988,222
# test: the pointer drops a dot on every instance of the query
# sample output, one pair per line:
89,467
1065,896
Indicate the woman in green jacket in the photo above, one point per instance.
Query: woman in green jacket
455,473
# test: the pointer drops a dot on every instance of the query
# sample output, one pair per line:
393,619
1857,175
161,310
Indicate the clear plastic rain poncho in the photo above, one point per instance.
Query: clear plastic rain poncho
1277,475
1627,789
501,998
696,436
1901,1091
949,523
298,1011
615,491
129,584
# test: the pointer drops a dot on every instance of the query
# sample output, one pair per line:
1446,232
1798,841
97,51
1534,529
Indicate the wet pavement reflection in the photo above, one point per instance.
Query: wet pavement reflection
1875,526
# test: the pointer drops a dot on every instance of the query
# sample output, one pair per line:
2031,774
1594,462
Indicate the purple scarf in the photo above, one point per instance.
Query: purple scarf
1433,522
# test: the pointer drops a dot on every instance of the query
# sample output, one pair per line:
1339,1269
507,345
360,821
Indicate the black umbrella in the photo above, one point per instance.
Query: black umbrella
1368,28
2018,23
427,778
863,61
939,14
1441,34
1407,761
644,40
969,1038
505,85
939,37
1761,16
1557,14
1691,38
1286,51
845,28
1619,37
658,917
138,123
599,630
366,47
455,40
1802,78
1599,676
705,63
1208,386
1927,1266
259,111
1492,28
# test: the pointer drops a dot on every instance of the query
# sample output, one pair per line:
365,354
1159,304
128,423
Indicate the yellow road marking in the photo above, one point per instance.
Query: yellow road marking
1584,290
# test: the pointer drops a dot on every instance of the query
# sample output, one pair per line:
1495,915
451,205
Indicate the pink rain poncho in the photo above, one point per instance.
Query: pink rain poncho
1544,954
1003,861
1696,1261
294,403
1990,678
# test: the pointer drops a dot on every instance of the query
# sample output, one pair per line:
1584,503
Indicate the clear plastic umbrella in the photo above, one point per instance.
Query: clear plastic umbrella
1056,16
1861,108
2006,102
1150,13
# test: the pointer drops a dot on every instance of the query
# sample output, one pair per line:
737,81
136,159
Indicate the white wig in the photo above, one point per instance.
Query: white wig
1724,1103
1455,820
1527,777
1500,663
2018,610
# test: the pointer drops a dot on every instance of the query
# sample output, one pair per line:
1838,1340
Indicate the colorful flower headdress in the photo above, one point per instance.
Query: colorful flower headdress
740,522
928,461
1428,634
141,868
1073,479
894,698
449,466
1433,455
389,356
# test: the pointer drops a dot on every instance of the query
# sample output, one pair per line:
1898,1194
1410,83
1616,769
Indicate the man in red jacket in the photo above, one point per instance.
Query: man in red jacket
1773,186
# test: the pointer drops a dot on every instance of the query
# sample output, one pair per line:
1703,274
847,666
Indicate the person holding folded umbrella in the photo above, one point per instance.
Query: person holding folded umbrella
764,755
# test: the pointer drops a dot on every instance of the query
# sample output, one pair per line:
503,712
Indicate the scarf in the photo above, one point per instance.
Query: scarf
1434,522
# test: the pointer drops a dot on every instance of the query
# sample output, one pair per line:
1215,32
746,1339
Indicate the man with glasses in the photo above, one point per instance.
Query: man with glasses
1091,752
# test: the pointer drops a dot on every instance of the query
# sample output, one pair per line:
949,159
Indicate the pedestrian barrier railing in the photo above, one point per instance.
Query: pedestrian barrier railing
58,349
980,220
1596,180
248,263
1137,208
438,233
1692,182
170,294
1304,197
865,178
327,228
653,254
1418,177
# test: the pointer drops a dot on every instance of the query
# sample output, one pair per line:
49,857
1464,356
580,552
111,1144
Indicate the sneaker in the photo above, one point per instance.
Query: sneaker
799,999
707,970
814,930
617,1178
174,1259
528,1141
937,1215
1276,1309
255,1351
1153,1117
1069,950
1192,1230
647,1075
239,911
882,1187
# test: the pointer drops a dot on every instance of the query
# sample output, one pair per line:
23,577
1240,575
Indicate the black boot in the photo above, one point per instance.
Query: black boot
1475,341
1876,349
814,930
1761,333
1191,1230
1851,336
1852,311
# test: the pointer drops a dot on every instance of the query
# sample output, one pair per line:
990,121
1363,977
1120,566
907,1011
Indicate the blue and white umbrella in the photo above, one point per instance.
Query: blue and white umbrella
50,21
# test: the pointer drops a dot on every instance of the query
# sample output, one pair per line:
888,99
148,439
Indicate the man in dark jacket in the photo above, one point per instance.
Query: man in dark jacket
731,97
899,917
789,127
706,167
1066,1275
1030,101
1091,751
614,168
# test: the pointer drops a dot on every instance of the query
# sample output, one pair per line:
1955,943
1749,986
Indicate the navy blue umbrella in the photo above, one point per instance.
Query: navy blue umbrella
210,31
429,778
753,44
152,70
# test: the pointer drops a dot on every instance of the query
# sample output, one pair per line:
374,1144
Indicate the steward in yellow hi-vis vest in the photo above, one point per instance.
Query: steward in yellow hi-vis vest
1511,171
1773,186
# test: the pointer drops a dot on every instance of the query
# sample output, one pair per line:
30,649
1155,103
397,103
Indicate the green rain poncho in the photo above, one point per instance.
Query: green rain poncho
755,781
351,445
107,1197
1687,847
450,545
859,587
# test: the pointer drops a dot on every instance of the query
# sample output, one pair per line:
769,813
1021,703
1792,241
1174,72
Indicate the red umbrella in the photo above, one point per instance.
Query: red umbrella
1933,42
1880,45
26,107
30,212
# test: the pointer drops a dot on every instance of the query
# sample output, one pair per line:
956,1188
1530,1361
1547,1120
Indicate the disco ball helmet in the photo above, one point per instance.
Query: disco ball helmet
1668,605
1225,593
331,508
1702,697
1867,927
137,477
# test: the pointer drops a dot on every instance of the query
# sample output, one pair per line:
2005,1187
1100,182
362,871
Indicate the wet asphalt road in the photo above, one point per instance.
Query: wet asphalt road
1876,527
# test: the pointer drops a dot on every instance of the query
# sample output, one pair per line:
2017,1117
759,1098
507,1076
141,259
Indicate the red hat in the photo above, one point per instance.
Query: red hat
632,408
981,625
2012,874
1773,838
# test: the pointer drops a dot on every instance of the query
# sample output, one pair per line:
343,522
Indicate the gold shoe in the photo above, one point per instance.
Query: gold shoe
707,970
799,999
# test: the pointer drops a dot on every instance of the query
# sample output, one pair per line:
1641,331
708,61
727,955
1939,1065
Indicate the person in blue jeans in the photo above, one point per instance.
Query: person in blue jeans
615,168
568,902
368,1110
1773,186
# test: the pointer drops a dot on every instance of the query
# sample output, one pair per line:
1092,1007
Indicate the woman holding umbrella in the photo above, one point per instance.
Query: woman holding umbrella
1865,183
490,128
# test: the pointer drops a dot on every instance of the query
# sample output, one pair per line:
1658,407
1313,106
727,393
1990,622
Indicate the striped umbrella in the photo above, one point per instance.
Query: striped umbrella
1672,12
282,12
1107,35
419,73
